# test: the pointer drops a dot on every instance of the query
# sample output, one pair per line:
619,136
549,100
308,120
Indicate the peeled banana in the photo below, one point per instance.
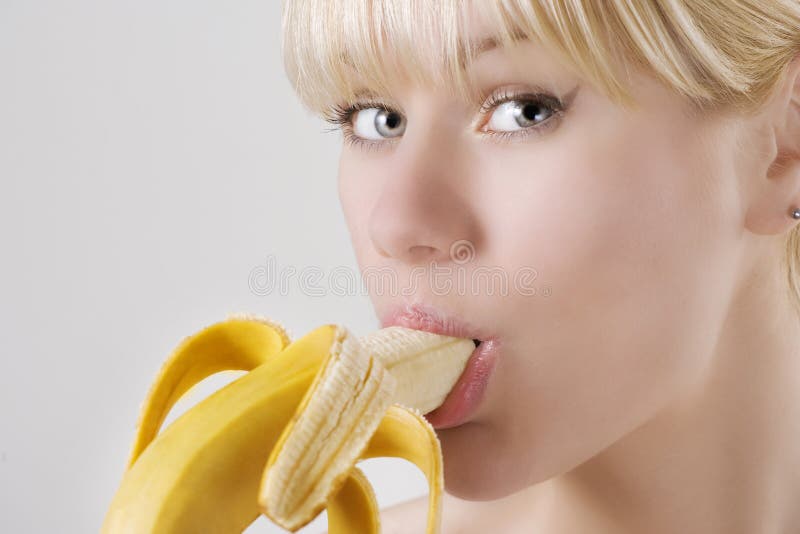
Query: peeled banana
283,439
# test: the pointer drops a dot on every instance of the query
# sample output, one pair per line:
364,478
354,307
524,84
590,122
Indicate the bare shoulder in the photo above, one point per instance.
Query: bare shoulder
407,517
411,517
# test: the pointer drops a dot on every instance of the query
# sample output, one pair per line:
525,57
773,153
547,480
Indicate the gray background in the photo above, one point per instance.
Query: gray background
152,155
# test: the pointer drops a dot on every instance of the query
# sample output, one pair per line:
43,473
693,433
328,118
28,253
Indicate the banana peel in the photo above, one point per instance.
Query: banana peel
283,439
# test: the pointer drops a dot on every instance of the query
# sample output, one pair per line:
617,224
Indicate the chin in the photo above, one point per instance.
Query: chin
478,466
482,463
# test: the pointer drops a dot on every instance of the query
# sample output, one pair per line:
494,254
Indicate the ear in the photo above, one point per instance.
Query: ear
777,191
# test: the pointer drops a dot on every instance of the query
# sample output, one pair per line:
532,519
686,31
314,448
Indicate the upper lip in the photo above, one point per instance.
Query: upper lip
430,319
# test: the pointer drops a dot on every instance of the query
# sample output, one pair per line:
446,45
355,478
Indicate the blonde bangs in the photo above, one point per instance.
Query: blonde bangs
334,50
716,53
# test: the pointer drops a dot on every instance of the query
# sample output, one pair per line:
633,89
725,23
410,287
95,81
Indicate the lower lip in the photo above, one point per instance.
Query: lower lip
466,395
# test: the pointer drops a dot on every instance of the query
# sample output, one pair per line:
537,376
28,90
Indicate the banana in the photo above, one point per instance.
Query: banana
242,343
283,439
343,408
411,356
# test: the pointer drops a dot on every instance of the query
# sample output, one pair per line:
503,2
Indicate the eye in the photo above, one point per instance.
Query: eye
519,114
378,123
373,124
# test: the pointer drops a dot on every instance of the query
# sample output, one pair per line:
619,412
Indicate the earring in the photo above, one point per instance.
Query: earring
796,213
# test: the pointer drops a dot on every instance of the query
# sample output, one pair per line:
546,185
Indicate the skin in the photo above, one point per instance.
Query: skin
657,388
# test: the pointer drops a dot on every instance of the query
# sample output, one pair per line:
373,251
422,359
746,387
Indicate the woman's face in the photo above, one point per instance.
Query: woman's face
626,217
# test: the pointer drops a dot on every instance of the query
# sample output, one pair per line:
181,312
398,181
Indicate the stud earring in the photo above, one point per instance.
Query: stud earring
796,213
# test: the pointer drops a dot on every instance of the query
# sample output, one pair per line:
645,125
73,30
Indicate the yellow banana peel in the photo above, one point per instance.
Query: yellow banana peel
283,439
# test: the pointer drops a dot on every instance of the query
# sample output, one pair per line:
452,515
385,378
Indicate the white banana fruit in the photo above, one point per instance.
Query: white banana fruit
283,439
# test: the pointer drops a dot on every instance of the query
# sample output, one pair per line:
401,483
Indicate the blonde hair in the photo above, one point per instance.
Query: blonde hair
721,55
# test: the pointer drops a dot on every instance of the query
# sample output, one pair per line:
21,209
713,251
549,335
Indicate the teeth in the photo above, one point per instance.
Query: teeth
283,439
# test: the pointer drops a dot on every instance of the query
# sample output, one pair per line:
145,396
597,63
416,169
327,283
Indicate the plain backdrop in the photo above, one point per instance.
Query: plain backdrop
153,158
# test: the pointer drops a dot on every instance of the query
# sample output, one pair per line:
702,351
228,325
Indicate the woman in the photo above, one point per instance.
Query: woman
642,160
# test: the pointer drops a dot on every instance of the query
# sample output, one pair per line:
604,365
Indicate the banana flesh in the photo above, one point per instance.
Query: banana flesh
343,408
339,412
283,439
424,365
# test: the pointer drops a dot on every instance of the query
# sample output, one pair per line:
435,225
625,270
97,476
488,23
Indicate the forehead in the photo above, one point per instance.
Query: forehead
472,45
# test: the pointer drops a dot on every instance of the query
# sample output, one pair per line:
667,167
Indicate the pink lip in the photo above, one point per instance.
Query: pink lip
466,395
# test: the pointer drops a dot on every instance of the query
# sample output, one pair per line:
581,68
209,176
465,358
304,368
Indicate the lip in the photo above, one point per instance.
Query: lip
467,393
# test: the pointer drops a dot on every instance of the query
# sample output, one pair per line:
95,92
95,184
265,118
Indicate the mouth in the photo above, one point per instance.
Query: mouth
467,393
429,319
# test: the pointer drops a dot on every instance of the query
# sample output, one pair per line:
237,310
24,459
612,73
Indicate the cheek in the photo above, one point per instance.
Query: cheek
638,272
356,196
350,195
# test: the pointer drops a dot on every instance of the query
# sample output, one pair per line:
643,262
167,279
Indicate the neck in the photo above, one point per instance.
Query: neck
725,457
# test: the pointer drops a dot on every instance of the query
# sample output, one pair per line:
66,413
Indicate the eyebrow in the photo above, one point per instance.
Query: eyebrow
480,46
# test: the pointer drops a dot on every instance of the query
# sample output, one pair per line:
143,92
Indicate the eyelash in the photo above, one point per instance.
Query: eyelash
340,116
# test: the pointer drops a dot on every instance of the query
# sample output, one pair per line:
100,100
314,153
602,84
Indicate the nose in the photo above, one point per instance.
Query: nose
424,205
